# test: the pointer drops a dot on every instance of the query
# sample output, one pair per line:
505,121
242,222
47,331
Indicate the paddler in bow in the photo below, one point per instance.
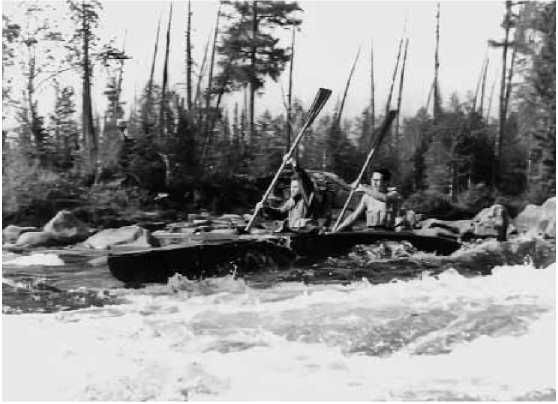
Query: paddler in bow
300,211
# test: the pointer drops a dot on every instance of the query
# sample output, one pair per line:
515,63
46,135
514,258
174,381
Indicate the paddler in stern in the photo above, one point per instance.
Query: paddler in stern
380,203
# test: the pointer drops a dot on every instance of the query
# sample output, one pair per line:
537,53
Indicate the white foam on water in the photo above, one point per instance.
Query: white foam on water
445,337
48,259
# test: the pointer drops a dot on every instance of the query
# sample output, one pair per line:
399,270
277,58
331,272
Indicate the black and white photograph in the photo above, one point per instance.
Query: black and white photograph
261,200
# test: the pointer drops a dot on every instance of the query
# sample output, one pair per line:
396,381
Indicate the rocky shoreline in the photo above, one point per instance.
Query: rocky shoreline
489,239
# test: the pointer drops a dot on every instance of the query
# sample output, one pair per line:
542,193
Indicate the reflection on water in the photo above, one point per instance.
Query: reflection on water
443,337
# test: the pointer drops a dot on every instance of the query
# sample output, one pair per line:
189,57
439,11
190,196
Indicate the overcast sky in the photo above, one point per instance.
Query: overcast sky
326,45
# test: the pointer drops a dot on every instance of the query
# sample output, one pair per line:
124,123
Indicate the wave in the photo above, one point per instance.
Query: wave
48,259
443,337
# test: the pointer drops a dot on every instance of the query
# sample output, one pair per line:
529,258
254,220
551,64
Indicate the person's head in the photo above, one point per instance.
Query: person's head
295,186
380,178
300,182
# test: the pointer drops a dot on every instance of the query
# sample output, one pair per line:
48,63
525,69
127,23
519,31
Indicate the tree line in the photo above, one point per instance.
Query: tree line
175,140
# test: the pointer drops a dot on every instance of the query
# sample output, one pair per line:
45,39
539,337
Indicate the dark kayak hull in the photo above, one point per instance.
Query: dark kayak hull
246,254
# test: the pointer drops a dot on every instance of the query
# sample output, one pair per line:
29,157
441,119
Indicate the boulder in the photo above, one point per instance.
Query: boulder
196,216
11,233
538,220
66,228
127,236
36,239
231,217
164,238
201,222
178,226
455,228
549,209
491,222
436,232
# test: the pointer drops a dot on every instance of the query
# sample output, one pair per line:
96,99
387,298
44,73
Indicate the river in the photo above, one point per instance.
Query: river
72,332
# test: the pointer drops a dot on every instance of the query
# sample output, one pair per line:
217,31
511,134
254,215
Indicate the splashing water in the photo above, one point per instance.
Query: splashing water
48,259
435,338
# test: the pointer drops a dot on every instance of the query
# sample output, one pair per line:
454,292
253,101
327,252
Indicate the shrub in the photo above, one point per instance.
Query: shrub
476,198
32,195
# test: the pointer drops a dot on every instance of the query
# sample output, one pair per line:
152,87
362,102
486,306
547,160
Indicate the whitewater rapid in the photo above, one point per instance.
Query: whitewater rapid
445,338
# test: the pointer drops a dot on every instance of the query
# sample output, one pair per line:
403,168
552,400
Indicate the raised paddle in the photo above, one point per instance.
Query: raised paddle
375,145
319,101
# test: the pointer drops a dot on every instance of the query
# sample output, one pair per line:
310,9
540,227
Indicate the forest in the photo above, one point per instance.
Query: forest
183,149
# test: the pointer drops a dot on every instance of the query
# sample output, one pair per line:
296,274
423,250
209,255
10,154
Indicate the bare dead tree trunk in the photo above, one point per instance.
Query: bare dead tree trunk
119,81
244,118
87,110
290,96
253,70
372,101
33,118
429,97
509,83
505,45
189,59
393,77
478,86
149,95
198,84
209,89
437,104
400,95
345,92
163,108
490,101
483,87
226,74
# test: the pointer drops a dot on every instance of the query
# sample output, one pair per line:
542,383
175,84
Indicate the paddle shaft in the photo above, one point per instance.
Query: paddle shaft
320,100
377,141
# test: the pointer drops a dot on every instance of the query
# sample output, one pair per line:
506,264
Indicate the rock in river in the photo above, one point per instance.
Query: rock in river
66,228
11,233
36,239
538,220
127,236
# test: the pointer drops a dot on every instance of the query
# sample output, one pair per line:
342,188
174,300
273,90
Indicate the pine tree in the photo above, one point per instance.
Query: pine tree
85,50
65,129
537,95
249,47
35,47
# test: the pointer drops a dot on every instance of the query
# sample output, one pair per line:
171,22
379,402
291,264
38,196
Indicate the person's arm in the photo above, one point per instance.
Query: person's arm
288,205
276,213
379,196
353,216
305,183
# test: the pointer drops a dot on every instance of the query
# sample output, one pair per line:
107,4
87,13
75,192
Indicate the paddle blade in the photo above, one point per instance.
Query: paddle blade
320,99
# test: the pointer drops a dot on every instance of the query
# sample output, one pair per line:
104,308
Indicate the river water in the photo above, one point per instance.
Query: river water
72,332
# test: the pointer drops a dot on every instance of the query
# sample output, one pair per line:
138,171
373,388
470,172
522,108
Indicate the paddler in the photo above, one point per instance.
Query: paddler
301,209
380,203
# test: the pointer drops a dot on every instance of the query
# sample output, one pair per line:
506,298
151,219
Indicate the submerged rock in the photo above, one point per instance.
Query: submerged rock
127,236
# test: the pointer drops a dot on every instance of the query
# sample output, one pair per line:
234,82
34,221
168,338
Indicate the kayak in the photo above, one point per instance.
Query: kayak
250,253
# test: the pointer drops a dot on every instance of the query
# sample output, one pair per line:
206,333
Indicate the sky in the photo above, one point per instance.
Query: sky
326,45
